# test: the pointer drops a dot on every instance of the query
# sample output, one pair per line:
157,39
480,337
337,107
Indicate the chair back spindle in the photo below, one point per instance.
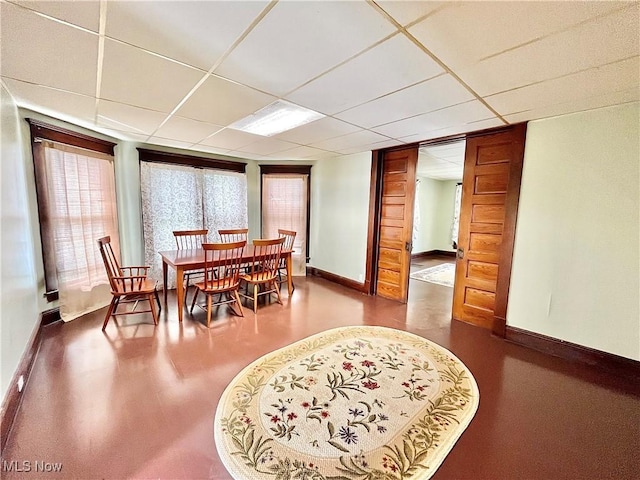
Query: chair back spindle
289,238
110,261
190,239
222,265
233,235
266,258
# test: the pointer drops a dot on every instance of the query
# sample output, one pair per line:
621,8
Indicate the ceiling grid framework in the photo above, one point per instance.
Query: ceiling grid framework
383,72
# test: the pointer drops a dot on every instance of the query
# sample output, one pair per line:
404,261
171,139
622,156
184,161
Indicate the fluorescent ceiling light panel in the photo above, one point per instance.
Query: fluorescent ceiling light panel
277,117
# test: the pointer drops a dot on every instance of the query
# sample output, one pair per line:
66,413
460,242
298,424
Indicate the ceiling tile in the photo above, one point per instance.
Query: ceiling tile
599,101
230,139
390,66
142,79
167,142
208,149
128,136
222,102
298,40
611,38
317,131
127,118
431,95
463,128
51,101
33,49
267,146
589,83
446,117
357,139
174,28
298,153
187,130
463,33
405,12
371,146
85,14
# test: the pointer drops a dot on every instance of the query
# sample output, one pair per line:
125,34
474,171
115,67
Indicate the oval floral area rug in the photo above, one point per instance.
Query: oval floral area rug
348,403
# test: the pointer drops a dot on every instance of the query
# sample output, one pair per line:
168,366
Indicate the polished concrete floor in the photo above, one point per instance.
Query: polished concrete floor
138,401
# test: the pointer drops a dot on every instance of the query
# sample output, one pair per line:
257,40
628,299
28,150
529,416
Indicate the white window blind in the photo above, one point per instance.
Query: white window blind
284,206
176,197
81,207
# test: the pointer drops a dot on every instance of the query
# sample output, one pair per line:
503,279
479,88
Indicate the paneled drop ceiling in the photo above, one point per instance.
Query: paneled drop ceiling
384,73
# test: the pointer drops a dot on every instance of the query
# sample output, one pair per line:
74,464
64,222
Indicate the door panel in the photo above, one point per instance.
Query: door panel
490,190
396,223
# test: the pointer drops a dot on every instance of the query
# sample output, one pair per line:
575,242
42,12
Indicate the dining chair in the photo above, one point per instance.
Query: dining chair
221,276
233,235
128,284
190,240
263,271
289,237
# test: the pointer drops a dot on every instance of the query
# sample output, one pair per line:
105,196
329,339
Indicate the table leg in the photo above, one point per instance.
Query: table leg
165,269
180,291
288,262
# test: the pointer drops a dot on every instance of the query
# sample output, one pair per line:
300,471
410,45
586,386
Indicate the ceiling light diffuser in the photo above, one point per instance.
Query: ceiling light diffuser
277,117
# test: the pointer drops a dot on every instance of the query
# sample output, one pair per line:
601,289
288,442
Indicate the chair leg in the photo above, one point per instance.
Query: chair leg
195,296
275,284
208,310
155,292
108,316
255,298
237,297
152,304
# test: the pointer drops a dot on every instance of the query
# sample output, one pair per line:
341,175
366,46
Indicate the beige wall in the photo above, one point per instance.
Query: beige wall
18,285
576,256
340,215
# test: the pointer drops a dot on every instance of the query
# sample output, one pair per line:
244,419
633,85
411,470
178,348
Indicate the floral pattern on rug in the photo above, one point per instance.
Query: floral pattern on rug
443,274
349,403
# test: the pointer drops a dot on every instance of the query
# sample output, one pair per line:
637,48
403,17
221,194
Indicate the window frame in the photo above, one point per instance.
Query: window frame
295,169
41,131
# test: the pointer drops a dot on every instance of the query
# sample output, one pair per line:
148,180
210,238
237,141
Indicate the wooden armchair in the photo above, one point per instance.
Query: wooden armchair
190,240
221,277
263,272
289,238
128,284
233,235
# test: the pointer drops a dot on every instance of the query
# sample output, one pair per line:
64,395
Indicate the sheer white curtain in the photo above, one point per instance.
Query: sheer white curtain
176,197
171,200
81,207
284,206
225,201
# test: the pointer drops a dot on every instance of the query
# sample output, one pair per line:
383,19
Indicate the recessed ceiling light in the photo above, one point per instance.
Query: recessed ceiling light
277,117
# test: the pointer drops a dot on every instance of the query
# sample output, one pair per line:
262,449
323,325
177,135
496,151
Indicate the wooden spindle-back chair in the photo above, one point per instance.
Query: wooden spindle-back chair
264,269
128,284
289,238
190,240
221,277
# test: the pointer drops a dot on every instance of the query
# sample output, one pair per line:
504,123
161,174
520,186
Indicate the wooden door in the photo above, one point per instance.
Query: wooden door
490,192
396,223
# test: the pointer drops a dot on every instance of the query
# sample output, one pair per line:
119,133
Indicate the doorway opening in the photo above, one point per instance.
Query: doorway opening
436,216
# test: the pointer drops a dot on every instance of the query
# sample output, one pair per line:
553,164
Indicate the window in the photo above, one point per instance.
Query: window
181,192
75,186
285,205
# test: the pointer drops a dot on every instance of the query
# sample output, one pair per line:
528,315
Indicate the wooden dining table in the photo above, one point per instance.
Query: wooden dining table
184,260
